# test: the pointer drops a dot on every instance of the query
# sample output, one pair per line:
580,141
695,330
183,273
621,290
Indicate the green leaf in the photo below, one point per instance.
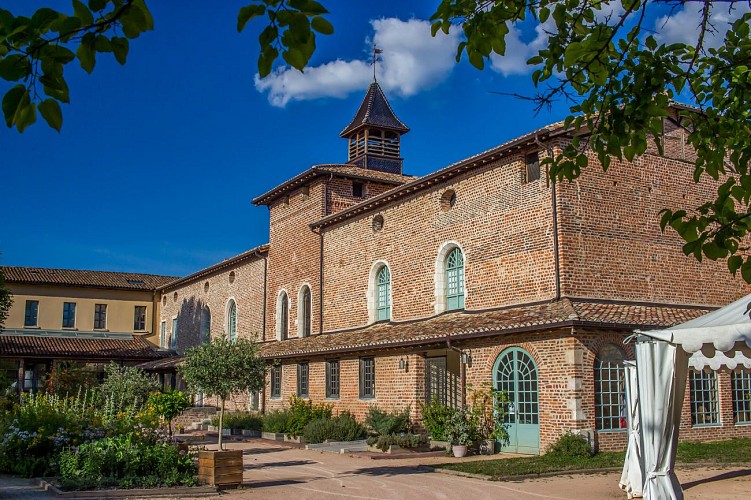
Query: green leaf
83,13
120,47
51,112
294,58
734,263
476,59
14,67
11,101
247,13
97,5
86,56
26,114
321,25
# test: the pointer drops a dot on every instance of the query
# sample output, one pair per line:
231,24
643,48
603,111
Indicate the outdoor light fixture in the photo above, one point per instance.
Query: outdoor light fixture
466,358
402,364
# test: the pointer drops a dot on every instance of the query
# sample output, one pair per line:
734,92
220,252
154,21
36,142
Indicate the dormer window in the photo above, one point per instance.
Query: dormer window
357,189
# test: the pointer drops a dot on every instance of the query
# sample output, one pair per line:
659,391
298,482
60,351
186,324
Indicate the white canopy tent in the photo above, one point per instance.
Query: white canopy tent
720,338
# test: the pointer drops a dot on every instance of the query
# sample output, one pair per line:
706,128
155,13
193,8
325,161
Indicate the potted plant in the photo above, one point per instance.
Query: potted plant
488,410
460,432
221,368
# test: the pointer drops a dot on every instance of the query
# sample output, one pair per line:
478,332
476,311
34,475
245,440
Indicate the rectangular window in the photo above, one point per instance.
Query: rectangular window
532,167
276,381
163,335
100,316
367,378
332,378
139,318
302,380
741,381
357,189
173,340
705,409
32,313
69,314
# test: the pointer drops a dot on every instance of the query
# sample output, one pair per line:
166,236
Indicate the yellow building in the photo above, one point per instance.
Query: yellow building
90,317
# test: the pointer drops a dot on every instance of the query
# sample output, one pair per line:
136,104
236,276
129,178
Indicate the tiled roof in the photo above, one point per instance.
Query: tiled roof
375,111
226,263
165,364
78,277
338,169
134,348
468,324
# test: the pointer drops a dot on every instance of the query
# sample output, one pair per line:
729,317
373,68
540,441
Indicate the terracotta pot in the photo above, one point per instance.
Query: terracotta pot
459,450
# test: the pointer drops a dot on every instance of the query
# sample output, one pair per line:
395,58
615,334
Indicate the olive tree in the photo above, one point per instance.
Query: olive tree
223,367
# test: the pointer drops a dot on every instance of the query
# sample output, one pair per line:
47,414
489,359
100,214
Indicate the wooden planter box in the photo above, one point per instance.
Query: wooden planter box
221,468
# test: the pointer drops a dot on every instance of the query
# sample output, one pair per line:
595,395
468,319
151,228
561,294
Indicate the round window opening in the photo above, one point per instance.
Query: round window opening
377,222
232,277
174,296
448,199
206,287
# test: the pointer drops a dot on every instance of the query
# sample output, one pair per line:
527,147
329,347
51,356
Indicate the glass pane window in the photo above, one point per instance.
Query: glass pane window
705,409
205,325
455,280
302,380
163,335
173,340
610,387
100,316
276,381
139,318
367,378
384,294
741,382
332,378
283,316
32,313
306,312
69,314
232,321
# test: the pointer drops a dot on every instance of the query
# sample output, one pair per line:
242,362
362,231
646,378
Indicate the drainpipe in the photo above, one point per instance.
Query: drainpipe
462,371
554,203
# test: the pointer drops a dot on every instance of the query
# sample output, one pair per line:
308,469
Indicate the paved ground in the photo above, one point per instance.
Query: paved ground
276,472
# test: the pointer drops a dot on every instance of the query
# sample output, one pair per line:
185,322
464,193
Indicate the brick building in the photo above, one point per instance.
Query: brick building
381,288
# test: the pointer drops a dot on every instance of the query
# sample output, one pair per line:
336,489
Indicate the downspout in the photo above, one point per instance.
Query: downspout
554,203
462,371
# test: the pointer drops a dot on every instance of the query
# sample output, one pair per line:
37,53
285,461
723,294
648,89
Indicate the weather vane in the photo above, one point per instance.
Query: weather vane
376,51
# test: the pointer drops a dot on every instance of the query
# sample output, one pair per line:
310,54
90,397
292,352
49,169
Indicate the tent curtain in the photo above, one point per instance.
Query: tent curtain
662,370
632,477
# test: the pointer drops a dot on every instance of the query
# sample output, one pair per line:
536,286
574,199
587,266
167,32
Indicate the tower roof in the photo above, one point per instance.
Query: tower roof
375,111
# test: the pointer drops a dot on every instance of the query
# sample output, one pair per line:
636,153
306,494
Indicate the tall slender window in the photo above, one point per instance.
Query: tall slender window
163,335
383,294
205,325
32,313
610,396
705,409
367,378
305,317
455,280
741,381
276,381
100,316
139,318
69,314
282,311
173,340
302,379
232,320
332,378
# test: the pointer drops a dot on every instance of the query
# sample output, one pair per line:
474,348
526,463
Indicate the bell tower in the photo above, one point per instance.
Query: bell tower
374,134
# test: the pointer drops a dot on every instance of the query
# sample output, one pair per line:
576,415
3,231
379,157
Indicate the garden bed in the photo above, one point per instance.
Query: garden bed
51,485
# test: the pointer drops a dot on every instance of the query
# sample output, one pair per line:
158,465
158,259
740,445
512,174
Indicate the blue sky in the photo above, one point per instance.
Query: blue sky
158,160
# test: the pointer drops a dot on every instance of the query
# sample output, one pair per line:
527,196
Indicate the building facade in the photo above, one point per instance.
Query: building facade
384,289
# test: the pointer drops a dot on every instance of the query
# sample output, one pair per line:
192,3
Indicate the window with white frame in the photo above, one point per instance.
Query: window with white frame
705,408
163,335
741,382
455,280
282,316
304,312
232,320
173,340
610,387
383,294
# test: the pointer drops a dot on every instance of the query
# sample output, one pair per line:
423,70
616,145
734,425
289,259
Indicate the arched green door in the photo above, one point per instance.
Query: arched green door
515,372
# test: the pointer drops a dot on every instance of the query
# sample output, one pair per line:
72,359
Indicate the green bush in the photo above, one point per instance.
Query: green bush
434,418
275,421
125,461
461,428
301,412
131,385
570,445
381,423
344,427
240,420
168,405
383,442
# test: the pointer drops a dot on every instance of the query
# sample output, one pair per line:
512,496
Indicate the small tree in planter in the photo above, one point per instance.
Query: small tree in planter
487,409
168,405
223,367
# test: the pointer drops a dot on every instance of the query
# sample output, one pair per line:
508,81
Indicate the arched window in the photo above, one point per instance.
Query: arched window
205,325
232,320
455,280
383,294
282,316
304,314
610,389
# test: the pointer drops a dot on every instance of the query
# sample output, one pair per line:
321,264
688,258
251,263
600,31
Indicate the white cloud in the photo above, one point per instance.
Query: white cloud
514,61
683,26
412,60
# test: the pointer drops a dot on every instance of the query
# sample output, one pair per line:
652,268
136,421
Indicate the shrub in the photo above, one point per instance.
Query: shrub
301,412
570,445
383,441
344,427
168,405
275,421
381,422
461,428
240,420
434,418
68,379
125,461
132,385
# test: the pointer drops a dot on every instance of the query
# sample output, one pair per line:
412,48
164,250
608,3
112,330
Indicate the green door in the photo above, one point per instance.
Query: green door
515,372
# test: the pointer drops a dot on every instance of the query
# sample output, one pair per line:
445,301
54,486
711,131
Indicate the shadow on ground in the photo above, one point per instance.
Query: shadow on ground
288,463
719,477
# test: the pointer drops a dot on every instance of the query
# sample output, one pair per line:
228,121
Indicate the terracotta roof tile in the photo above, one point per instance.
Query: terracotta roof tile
461,325
135,348
169,363
375,111
83,278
